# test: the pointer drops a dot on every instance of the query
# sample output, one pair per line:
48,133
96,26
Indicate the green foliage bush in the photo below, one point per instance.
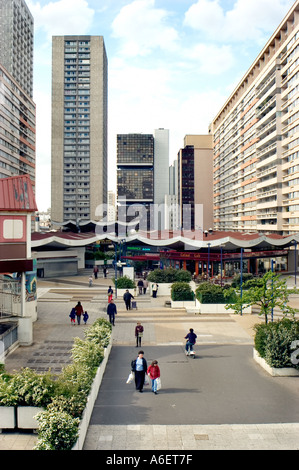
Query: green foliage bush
169,275
125,283
273,342
64,396
208,293
57,430
181,291
237,279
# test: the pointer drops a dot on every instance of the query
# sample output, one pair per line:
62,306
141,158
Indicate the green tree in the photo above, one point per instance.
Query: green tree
268,292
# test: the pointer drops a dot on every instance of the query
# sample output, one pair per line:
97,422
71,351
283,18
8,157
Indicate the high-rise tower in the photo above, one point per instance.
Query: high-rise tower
79,127
16,39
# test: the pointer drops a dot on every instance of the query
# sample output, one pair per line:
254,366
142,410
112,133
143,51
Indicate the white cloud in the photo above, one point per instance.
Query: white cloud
62,17
248,20
211,59
142,28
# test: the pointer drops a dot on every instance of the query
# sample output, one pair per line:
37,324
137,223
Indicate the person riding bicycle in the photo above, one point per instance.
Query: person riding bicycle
191,340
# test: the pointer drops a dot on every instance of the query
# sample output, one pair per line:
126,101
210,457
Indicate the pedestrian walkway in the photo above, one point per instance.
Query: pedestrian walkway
280,436
164,328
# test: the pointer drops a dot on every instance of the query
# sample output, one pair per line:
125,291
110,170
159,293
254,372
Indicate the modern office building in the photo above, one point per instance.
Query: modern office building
195,182
17,129
161,165
17,42
256,141
143,177
79,127
135,176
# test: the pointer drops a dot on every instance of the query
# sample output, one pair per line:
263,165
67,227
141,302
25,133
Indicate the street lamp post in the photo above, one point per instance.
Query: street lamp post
241,280
209,244
272,269
221,264
115,268
295,243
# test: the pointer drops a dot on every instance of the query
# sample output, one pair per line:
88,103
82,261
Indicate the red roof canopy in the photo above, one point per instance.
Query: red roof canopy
16,194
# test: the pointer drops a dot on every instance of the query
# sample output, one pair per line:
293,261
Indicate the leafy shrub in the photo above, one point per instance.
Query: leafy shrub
100,332
237,279
57,430
88,353
169,275
125,283
273,342
65,396
27,388
181,291
208,293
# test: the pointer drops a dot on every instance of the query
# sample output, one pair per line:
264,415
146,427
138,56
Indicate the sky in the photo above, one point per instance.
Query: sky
171,64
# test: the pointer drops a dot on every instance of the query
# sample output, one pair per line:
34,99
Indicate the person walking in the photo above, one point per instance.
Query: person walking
112,311
145,286
72,316
139,367
95,271
110,294
191,340
127,298
79,311
85,317
155,290
153,372
140,286
138,334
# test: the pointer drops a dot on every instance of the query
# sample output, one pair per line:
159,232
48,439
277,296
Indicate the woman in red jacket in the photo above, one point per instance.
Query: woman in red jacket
79,311
153,372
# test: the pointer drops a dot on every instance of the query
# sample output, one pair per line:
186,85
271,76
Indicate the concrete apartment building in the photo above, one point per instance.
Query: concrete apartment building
17,109
17,129
17,42
195,181
79,127
256,141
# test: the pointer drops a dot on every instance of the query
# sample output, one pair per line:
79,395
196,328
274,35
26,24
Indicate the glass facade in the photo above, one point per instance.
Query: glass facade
135,170
135,148
136,183
186,186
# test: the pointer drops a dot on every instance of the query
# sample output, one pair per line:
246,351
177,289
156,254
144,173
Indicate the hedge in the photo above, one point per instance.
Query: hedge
208,293
273,342
63,396
169,275
125,283
181,291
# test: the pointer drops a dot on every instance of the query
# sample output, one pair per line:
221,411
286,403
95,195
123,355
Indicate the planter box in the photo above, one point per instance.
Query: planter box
275,371
217,308
7,417
163,288
25,417
84,423
183,304
120,293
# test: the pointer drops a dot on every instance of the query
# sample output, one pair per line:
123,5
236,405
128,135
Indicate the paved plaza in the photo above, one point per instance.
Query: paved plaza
221,400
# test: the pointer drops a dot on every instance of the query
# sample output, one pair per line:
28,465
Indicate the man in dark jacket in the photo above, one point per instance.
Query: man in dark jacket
191,340
111,311
127,298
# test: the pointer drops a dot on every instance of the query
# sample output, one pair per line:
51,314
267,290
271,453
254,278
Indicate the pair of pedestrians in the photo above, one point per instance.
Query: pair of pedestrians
140,369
